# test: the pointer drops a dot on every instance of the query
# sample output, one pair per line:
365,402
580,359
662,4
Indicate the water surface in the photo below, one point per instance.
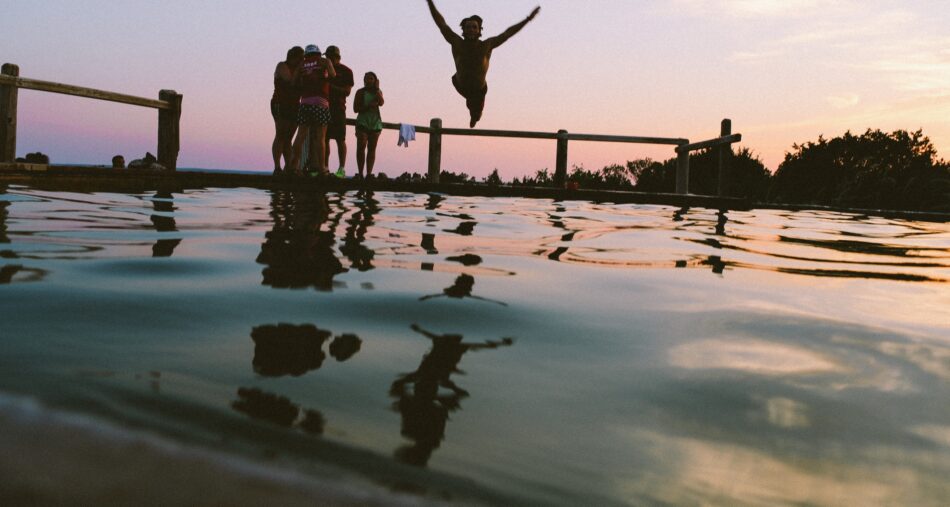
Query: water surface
501,351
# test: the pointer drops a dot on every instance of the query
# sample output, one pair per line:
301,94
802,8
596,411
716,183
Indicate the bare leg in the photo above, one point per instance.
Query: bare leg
474,99
476,104
277,147
341,151
360,151
286,131
371,152
302,132
318,148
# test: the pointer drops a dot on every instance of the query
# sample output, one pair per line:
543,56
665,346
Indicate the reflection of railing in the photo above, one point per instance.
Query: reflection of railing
683,147
168,105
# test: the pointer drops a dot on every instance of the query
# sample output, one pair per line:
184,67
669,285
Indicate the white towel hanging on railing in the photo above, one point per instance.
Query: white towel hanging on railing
406,133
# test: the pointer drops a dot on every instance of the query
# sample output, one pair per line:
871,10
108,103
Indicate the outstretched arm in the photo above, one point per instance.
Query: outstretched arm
500,39
447,32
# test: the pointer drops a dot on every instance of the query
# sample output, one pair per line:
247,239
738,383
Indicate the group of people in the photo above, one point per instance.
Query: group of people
310,93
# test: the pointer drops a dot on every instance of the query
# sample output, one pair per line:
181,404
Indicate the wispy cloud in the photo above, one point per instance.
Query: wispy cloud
843,101
761,8
919,65
826,31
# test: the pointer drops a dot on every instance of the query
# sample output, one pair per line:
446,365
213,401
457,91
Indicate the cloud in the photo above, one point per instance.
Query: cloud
829,34
920,65
843,101
760,8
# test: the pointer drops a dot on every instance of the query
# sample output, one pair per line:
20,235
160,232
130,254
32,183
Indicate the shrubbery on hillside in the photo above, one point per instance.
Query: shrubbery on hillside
898,170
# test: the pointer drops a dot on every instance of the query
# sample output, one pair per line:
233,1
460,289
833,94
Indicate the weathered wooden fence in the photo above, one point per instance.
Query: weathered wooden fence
168,105
169,115
435,130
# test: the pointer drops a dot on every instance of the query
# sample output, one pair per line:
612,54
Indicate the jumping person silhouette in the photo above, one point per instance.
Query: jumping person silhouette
472,56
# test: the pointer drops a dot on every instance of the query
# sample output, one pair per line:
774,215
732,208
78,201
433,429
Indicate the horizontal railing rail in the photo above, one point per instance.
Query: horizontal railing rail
683,147
79,91
710,143
168,106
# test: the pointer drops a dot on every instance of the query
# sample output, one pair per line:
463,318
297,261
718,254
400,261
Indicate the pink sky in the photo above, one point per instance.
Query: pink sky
783,71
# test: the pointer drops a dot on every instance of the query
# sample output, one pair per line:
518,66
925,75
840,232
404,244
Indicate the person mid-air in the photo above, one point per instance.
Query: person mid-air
472,56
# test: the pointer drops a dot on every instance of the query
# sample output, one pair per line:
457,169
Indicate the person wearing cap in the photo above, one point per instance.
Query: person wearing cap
472,55
313,80
340,88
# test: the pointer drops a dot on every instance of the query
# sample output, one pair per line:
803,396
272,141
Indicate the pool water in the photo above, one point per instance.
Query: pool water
490,350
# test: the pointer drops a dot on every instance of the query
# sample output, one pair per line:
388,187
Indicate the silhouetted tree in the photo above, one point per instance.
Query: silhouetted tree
897,170
493,178
748,177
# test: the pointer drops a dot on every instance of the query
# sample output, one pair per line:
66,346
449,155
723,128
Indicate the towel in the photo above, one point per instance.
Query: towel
406,133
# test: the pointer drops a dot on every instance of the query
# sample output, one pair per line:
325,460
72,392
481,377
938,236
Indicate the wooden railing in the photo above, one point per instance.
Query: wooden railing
435,130
168,105
169,115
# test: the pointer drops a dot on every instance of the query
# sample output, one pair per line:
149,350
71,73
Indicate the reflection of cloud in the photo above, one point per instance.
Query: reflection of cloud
699,472
786,413
939,435
749,356
932,359
843,101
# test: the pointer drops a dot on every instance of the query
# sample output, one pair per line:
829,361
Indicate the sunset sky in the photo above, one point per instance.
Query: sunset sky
784,71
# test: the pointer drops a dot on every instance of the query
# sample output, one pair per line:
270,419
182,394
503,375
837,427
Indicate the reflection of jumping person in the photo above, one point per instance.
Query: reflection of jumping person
424,411
462,288
472,56
369,124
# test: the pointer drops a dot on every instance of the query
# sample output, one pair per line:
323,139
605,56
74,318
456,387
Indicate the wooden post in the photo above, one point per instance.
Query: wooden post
435,150
168,129
682,172
725,178
8,102
560,165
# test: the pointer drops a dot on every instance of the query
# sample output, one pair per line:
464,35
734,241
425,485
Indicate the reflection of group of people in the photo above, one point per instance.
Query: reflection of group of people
298,252
310,92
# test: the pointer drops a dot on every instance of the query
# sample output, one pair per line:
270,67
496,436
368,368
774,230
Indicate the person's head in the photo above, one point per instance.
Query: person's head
294,55
312,51
472,27
370,80
118,162
333,54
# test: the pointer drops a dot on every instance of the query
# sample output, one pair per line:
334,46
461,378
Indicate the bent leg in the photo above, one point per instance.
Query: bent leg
458,87
476,104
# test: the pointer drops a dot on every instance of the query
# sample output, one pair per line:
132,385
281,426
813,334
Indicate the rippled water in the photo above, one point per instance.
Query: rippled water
502,351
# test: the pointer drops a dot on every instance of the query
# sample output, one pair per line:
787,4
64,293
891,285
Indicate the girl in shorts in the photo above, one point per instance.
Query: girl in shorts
369,124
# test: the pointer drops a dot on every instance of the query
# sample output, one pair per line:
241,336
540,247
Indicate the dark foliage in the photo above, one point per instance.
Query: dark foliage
493,179
879,170
541,178
876,170
748,177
